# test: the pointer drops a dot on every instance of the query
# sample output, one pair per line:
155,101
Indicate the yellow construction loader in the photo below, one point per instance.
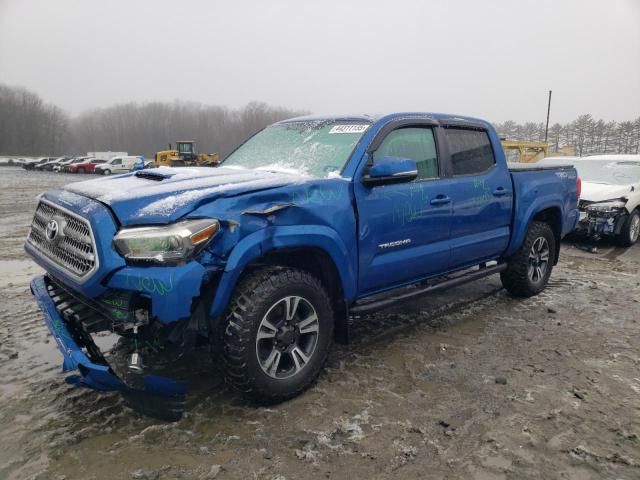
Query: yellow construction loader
524,152
185,155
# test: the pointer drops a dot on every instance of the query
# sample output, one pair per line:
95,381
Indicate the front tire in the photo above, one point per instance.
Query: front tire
277,334
80,170
528,270
106,171
630,230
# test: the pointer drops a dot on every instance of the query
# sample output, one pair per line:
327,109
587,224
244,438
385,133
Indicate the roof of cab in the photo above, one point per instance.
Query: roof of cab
384,117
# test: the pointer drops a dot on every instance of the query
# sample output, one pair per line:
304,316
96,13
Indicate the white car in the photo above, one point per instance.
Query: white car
118,165
610,199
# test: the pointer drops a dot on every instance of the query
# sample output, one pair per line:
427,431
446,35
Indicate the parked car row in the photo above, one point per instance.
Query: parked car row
87,164
12,161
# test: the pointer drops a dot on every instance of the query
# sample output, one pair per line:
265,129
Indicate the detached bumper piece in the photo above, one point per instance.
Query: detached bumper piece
161,397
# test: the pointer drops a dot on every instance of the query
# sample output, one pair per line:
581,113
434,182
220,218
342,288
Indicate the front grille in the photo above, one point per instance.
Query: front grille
72,246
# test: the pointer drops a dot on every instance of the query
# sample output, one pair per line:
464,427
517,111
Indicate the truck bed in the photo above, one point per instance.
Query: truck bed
538,188
532,167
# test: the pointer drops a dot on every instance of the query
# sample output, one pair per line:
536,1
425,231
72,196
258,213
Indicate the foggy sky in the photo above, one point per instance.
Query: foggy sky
488,58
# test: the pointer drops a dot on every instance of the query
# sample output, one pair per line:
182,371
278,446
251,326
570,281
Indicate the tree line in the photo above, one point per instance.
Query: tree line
586,134
149,127
31,127
28,126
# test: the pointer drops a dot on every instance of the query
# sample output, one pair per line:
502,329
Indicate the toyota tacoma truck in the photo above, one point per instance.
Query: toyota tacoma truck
311,220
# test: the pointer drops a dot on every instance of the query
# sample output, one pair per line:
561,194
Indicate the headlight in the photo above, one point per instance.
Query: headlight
169,244
611,206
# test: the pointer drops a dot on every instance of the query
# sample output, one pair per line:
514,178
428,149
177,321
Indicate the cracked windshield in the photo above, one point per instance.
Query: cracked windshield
319,149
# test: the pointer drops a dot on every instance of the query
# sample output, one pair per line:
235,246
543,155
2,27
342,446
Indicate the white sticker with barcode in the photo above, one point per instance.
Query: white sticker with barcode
348,128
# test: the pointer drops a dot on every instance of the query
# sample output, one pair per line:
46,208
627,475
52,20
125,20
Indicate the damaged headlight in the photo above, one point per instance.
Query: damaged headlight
612,206
168,244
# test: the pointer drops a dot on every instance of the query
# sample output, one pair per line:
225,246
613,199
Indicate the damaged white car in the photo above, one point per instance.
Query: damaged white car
610,198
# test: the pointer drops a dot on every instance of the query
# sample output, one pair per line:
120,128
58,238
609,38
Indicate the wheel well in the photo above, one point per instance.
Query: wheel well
553,217
320,264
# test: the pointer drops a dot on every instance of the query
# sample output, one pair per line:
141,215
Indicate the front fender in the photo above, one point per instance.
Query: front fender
261,242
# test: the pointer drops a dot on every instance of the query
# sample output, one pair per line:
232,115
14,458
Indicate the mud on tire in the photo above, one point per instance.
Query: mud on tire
529,269
276,312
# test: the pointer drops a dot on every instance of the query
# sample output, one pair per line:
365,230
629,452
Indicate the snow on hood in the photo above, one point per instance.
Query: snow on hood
138,200
600,192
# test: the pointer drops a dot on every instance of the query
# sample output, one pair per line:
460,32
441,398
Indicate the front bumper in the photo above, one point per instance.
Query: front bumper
160,397
601,224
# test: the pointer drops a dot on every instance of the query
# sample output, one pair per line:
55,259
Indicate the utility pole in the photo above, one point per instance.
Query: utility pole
546,130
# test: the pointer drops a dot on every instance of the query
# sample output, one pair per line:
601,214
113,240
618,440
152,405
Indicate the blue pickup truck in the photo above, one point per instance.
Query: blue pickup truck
310,221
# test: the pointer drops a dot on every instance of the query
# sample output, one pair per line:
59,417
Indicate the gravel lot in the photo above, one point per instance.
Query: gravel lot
468,384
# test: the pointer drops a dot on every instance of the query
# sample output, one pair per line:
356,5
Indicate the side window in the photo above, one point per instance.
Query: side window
471,152
416,143
117,161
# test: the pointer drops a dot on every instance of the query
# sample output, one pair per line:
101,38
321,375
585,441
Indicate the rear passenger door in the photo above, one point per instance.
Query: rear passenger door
481,195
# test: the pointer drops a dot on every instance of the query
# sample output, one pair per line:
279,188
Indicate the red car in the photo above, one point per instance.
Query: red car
88,166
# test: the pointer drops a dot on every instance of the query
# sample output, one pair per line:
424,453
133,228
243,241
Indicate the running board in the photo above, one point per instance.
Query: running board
395,297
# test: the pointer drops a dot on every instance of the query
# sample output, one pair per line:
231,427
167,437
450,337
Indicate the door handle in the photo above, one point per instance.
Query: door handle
499,192
440,200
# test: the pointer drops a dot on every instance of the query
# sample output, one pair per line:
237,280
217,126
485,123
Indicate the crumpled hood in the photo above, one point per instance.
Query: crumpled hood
163,195
600,192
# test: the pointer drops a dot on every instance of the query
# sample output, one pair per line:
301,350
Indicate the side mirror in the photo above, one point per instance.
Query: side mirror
391,170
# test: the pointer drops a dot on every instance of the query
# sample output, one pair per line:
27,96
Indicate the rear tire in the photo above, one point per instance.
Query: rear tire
277,334
528,270
80,170
630,230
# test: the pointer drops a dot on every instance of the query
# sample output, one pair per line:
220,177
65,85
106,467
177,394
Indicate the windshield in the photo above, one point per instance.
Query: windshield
317,148
613,173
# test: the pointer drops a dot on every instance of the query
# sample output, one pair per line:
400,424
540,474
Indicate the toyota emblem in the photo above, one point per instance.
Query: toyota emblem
52,230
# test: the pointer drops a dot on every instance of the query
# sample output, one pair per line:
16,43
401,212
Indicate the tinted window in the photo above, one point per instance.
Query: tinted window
415,143
471,151
117,161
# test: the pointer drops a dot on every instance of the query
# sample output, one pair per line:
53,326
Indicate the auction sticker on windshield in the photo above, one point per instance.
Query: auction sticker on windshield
348,128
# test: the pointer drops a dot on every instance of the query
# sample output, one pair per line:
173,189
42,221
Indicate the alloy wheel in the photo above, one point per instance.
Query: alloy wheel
538,259
287,337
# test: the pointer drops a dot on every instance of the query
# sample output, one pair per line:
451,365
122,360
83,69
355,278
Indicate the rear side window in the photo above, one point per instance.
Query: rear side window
415,143
471,152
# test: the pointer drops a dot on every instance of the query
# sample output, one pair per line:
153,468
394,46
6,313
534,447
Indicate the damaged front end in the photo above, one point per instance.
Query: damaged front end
602,219
72,319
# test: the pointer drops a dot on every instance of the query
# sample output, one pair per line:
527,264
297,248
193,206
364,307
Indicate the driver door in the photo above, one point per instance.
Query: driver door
117,165
404,227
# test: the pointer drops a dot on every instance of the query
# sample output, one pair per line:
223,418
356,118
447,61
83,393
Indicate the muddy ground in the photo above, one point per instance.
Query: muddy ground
470,384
